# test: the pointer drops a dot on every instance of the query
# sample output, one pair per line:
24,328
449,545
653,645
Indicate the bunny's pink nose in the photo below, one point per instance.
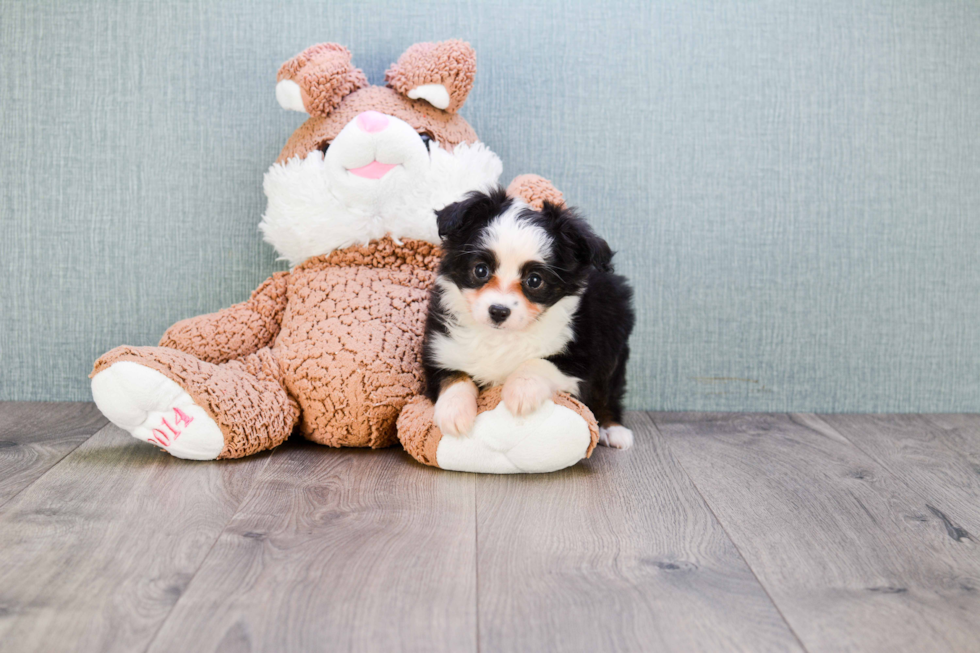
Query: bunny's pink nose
372,121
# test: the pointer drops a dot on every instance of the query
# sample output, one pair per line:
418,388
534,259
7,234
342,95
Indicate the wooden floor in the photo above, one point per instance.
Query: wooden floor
716,532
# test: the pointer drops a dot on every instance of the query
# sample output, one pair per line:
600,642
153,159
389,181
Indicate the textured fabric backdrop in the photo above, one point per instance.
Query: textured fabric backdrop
792,187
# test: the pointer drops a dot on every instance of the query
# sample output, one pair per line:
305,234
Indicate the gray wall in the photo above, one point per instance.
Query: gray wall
792,187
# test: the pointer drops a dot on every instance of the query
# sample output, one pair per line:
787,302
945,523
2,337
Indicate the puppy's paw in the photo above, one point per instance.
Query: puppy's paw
524,393
615,436
456,409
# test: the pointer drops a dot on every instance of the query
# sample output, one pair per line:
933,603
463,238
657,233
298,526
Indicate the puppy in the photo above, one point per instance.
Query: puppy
528,300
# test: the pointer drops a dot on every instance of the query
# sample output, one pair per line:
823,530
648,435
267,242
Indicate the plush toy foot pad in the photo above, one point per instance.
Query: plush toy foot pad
154,409
557,435
551,438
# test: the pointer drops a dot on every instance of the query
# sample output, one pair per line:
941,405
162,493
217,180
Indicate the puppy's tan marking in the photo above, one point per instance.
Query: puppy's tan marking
533,310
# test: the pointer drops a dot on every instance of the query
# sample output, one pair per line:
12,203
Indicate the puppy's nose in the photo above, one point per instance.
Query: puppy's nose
372,121
499,313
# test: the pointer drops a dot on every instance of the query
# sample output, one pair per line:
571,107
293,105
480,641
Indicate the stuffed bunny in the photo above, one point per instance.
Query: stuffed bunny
333,346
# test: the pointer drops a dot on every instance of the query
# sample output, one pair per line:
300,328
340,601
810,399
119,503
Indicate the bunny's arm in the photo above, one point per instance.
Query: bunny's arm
235,331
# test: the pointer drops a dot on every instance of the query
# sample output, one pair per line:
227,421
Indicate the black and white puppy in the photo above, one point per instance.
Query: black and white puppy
528,300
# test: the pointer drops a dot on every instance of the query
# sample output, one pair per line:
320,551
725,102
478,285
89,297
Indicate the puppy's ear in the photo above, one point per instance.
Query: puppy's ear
575,234
450,219
458,220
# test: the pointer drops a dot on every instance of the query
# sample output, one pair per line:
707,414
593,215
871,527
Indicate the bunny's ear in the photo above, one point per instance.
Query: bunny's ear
439,73
535,191
317,79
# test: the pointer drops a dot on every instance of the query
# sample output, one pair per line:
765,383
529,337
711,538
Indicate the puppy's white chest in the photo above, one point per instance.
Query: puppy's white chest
490,355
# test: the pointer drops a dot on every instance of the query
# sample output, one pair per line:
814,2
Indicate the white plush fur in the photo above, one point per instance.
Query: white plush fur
316,205
434,94
289,96
551,438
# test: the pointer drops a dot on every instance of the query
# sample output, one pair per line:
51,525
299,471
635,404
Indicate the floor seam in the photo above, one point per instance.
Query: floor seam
942,431
899,478
721,524
207,555
476,555
56,463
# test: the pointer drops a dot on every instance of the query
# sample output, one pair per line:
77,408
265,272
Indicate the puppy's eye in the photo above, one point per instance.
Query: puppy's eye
481,271
534,280
426,140
324,147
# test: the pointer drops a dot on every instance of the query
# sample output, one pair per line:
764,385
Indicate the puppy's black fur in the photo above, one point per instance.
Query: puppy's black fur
580,262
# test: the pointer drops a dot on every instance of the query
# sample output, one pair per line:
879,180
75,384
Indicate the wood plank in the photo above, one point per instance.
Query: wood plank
34,436
852,556
619,553
97,551
961,432
919,452
340,550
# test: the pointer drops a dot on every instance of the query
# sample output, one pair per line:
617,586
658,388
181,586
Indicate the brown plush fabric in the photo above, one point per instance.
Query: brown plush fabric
417,432
420,436
347,350
448,129
450,63
236,331
535,191
351,340
325,76
245,397
569,401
